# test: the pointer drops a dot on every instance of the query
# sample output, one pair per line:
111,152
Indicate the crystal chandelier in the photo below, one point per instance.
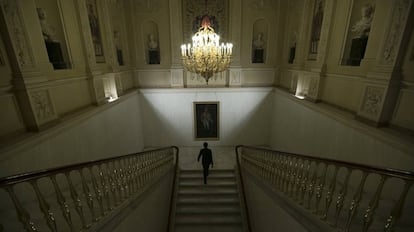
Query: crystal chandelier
206,55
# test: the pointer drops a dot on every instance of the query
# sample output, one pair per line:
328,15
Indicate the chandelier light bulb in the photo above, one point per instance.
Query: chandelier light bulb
205,56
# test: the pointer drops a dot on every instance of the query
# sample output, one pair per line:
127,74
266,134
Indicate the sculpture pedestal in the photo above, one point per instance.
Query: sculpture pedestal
119,56
55,55
154,57
357,51
258,56
292,55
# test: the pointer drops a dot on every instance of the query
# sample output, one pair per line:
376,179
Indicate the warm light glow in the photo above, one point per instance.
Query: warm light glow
111,99
206,56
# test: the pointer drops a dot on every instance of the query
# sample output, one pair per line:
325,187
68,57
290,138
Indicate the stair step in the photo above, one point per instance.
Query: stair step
207,209
208,228
209,199
208,186
208,219
212,173
210,179
217,191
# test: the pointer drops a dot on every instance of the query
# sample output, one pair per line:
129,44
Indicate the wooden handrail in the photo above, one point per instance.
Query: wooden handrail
172,202
242,188
317,184
27,176
110,184
404,174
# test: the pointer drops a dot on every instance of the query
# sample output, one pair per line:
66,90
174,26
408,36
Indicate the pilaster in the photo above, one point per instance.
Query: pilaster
382,85
29,62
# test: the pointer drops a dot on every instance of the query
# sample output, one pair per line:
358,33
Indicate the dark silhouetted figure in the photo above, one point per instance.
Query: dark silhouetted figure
206,160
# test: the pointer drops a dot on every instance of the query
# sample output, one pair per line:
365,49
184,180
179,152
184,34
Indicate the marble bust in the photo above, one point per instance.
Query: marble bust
47,30
363,26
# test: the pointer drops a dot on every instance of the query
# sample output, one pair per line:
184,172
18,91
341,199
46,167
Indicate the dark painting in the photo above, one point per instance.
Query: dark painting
206,120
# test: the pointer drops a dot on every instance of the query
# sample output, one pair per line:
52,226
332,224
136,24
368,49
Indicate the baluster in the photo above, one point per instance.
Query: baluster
304,182
118,175
104,179
341,197
319,188
355,202
311,188
124,177
396,212
88,194
274,170
98,192
130,179
292,179
285,174
22,213
281,172
62,203
44,207
373,204
144,170
112,182
141,172
289,176
136,173
277,170
299,176
76,201
329,194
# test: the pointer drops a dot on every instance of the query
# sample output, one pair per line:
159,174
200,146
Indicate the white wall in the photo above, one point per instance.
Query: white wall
244,115
149,213
305,128
265,213
110,130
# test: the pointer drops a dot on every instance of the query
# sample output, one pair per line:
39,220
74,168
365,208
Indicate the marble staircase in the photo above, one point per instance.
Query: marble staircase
214,207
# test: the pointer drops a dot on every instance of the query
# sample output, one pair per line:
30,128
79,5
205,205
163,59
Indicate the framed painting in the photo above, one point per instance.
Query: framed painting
206,120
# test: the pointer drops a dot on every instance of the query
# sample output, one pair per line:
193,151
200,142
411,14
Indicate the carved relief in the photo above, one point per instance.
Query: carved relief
193,10
235,77
86,30
177,78
317,19
259,4
324,36
15,25
372,100
118,83
148,6
99,90
313,87
293,82
95,30
396,30
42,104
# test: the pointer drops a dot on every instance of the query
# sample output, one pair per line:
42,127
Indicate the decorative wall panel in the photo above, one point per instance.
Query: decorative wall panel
15,24
193,11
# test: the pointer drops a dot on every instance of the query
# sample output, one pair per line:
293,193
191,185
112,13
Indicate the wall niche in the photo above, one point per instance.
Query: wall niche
50,18
259,41
358,32
151,42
